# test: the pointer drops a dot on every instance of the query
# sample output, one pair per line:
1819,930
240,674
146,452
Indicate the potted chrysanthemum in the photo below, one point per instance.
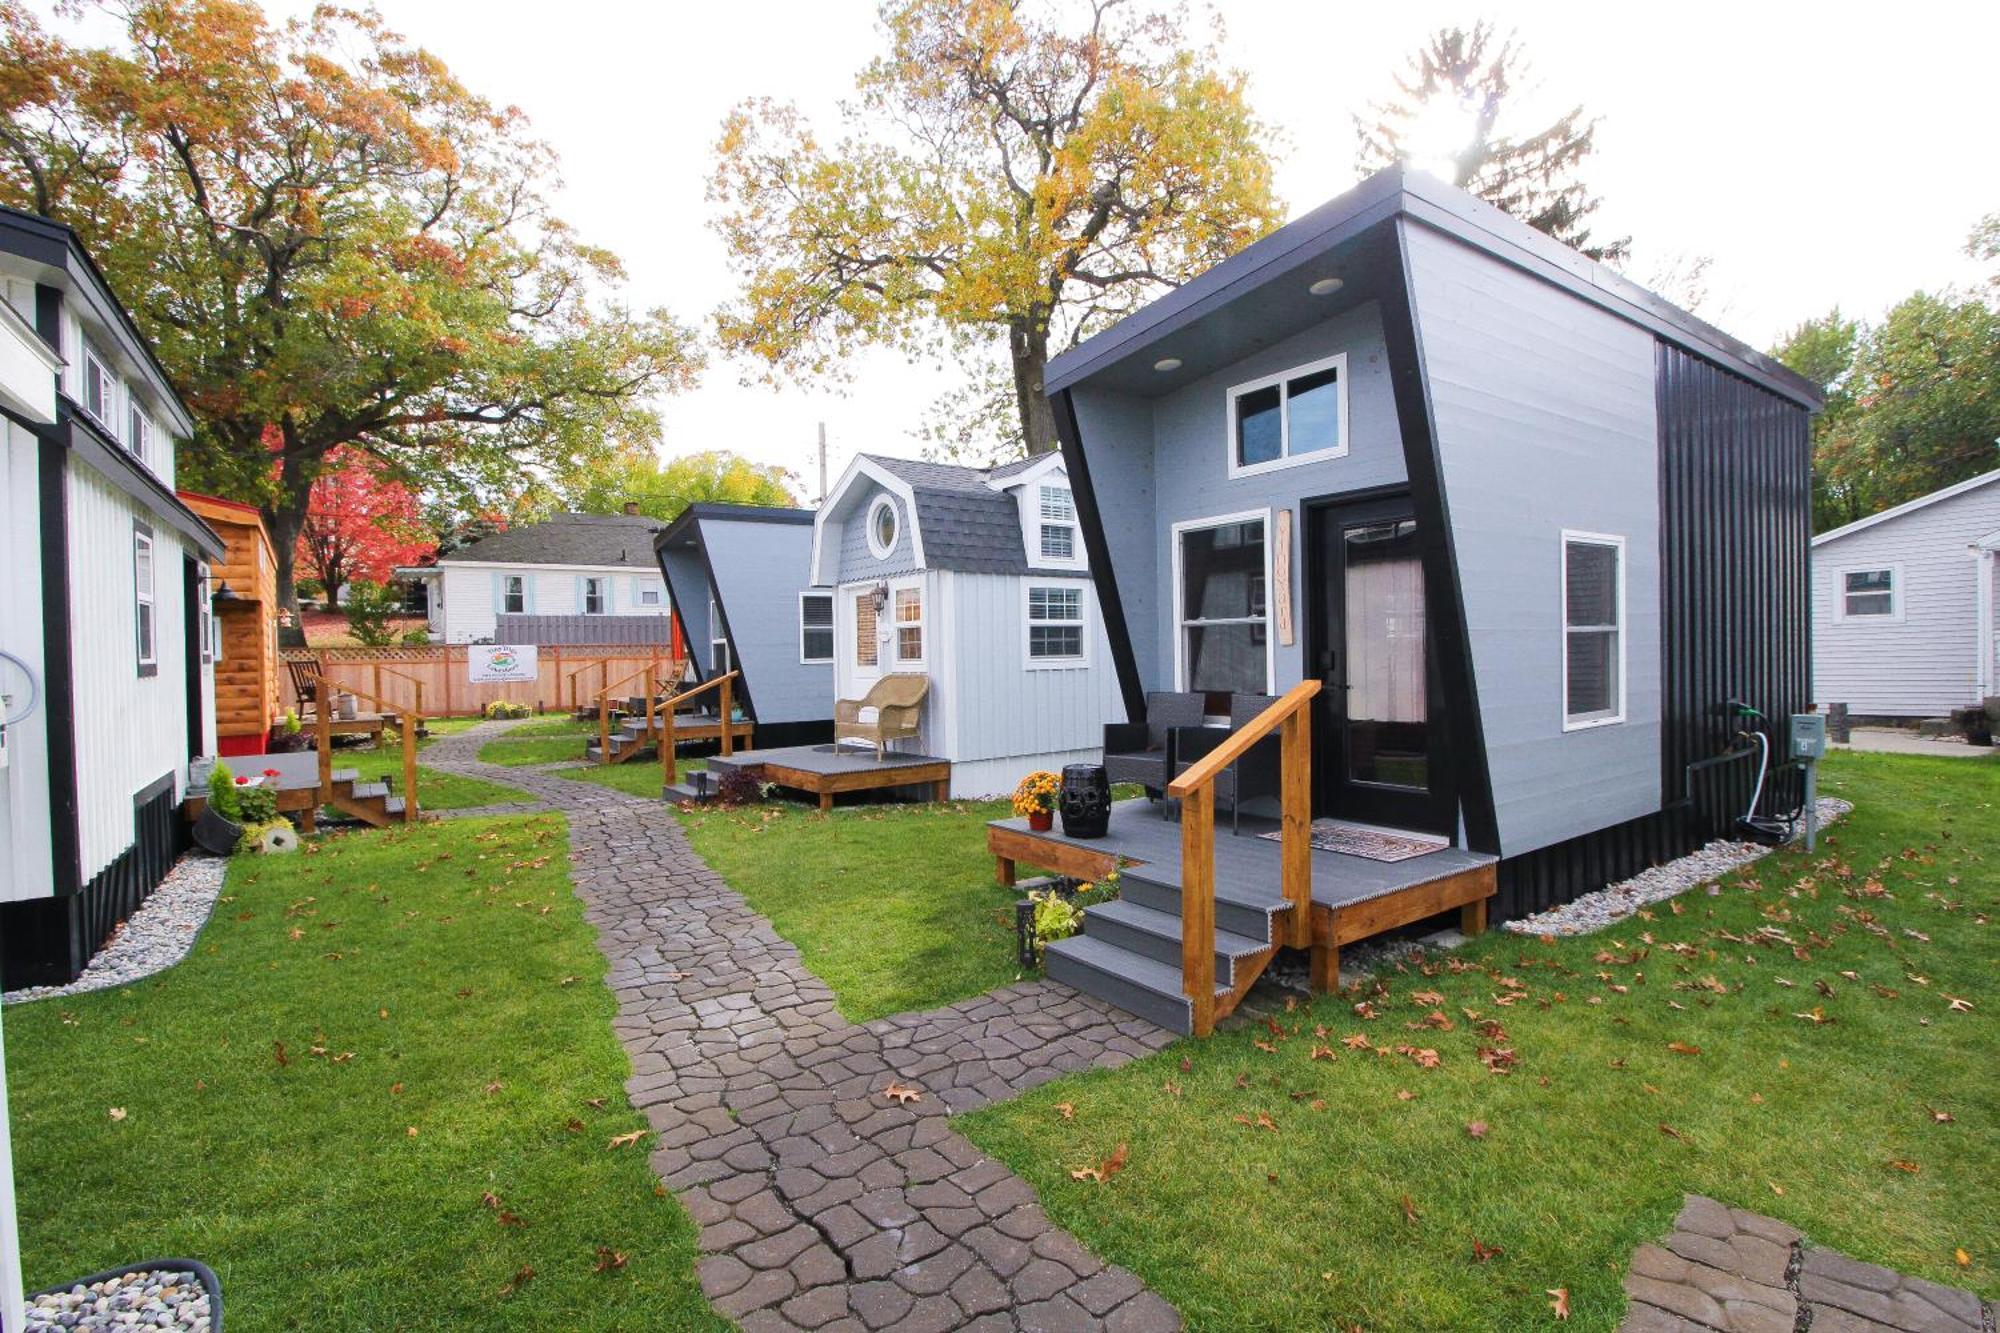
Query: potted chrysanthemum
1035,798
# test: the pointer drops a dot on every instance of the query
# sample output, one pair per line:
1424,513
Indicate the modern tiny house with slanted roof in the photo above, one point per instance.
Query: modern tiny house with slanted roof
978,579
1507,535
739,580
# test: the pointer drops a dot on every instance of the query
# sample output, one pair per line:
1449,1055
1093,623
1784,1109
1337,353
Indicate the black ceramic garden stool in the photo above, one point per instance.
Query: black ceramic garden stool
1085,801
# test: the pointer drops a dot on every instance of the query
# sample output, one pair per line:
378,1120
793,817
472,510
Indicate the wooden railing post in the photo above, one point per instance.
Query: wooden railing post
604,727
652,689
323,735
728,727
409,766
1198,906
1295,830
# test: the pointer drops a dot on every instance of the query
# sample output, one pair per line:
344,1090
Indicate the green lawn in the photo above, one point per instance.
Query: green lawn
542,749
1876,1129
552,725
641,777
366,1042
893,906
435,790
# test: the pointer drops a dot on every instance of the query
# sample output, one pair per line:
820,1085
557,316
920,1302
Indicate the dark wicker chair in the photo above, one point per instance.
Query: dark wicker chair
1252,777
1141,752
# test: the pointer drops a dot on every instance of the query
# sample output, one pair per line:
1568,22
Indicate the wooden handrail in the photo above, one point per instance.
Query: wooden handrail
672,704
408,720
1291,714
416,682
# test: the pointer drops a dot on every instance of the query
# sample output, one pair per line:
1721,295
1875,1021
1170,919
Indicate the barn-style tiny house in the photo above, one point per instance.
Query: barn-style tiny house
1504,535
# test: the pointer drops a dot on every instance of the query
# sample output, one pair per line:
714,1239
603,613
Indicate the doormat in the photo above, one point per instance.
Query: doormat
1337,835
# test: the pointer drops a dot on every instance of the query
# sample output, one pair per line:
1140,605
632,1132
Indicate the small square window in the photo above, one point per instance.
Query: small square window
815,627
1058,542
649,596
1290,417
514,598
1867,593
1055,625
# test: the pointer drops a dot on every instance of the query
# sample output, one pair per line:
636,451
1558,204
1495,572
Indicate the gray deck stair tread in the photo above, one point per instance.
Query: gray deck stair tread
393,805
364,791
1168,926
346,774
1244,895
1146,973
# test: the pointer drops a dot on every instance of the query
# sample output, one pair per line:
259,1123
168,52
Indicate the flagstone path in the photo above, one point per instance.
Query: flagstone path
822,1202
1723,1270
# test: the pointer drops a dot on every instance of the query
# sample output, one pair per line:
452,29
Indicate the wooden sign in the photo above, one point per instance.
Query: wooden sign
1281,574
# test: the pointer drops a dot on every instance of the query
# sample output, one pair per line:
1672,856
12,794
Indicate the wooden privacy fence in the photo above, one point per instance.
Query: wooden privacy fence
433,679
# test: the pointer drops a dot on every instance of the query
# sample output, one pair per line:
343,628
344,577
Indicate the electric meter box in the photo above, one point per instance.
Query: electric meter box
1808,736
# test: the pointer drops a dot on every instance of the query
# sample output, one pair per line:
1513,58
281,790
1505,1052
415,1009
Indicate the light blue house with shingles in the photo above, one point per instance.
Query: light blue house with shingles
739,580
976,578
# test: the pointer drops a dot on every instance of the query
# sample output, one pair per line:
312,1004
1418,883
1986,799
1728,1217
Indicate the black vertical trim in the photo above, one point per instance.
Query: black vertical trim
1411,382
58,669
1109,605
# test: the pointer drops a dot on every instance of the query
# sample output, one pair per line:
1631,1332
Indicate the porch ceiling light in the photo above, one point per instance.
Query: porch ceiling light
1327,286
1167,363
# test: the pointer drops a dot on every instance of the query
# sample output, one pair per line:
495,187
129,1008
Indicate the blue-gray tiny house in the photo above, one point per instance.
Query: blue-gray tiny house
738,581
1532,528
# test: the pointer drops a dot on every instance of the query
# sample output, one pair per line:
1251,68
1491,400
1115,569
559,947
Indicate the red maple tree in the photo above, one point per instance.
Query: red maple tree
361,523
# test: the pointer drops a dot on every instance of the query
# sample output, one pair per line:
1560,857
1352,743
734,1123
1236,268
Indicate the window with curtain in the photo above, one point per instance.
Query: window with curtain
815,627
1593,630
1222,607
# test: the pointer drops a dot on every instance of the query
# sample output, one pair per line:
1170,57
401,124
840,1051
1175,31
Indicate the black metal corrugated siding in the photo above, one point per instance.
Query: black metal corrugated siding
1735,528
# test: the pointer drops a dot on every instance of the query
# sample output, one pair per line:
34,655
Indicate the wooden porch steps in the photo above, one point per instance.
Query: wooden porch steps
371,802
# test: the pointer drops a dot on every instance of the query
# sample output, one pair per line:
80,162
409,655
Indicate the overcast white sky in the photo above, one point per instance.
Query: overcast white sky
1820,154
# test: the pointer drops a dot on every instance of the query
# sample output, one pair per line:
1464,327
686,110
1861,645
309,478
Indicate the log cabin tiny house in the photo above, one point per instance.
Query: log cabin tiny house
1510,540
245,651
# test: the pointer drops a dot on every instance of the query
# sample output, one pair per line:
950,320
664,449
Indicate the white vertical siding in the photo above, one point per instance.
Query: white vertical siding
130,729
25,866
471,600
1924,661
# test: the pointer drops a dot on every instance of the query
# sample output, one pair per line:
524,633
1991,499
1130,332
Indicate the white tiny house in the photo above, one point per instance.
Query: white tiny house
976,578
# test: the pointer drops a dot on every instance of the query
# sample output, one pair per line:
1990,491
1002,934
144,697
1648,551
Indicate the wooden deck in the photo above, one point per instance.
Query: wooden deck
827,770
1353,897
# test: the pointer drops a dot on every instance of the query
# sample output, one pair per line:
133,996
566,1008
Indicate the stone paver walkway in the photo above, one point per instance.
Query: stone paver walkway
1723,1270
822,1202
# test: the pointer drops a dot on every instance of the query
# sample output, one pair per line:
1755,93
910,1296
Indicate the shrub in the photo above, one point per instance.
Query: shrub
503,710
256,805
224,796
309,587
369,607
291,724
417,638
738,788
1056,918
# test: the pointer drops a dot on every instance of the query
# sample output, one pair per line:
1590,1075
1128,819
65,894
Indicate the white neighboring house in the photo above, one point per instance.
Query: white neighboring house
575,578
1905,604
104,609
976,578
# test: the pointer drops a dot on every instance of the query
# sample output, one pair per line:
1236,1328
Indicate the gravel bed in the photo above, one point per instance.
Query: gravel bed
1616,902
153,938
152,1298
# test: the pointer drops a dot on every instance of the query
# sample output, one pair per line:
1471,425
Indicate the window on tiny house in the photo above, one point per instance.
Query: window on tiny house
866,654
138,432
1220,599
1294,416
815,627
514,595
909,604
1058,523
593,596
142,599
1867,594
718,641
882,527
1593,630
100,390
1055,625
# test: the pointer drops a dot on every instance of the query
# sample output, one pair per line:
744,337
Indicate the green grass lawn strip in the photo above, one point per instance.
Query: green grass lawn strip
532,750
436,790
338,1190
1304,1226
641,777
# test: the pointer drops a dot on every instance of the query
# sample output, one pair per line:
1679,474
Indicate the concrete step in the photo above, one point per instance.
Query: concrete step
1238,910
1157,935
1137,984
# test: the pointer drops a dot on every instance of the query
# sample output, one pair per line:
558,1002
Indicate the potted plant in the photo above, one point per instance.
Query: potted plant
288,737
220,827
1035,798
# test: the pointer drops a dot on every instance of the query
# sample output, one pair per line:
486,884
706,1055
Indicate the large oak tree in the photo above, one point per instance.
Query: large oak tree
333,245
1025,170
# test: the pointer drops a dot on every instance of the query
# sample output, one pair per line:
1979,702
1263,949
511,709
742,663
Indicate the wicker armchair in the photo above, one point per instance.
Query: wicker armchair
1141,752
897,702
1253,777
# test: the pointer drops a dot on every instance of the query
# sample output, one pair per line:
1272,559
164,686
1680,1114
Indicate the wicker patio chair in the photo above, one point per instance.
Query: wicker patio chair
1141,752
897,701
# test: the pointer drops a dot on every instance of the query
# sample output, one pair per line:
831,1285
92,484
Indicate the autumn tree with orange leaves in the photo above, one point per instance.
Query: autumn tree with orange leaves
332,241
1026,170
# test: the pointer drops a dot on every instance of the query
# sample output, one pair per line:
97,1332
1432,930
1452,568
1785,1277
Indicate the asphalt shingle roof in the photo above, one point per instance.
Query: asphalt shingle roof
966,524
568,539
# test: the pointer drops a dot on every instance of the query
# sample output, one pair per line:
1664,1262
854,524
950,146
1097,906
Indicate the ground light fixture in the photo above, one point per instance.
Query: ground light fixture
1167,363
1327,286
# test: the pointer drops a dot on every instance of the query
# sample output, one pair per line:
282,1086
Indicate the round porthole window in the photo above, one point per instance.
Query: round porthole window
882,527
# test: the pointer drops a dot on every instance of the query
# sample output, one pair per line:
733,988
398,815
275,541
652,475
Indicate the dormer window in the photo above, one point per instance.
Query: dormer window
1058,523
100,391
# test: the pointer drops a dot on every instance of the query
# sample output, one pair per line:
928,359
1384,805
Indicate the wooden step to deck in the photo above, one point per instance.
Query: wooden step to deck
1157,935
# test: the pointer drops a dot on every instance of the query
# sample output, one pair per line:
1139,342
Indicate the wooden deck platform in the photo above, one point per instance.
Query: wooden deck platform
827,770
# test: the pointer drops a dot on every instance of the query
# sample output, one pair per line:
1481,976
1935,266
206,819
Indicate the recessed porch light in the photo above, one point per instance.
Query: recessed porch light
1327,286
1167,363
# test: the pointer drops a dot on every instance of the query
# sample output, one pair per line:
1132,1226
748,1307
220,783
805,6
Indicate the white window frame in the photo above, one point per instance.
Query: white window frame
145,602
897,626
848,623
1180,593
603,588
1040,522
880,503
1895,614
106,414
1622,629
138,430
649,595
205,619
1286,458
1082,622
831,630
507,594
718,638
